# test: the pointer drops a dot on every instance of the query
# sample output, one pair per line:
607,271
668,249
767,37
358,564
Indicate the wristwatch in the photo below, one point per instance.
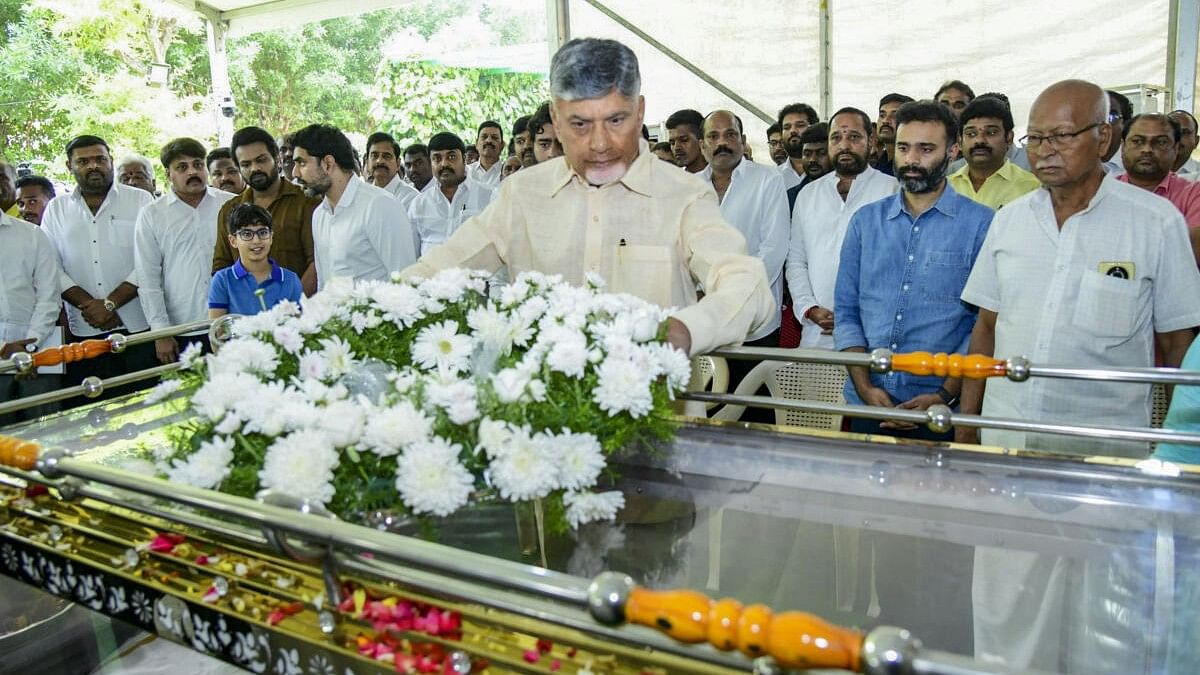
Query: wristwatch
110,305
947,398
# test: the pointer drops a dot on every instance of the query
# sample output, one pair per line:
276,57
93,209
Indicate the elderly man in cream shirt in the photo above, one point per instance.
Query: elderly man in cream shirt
612,208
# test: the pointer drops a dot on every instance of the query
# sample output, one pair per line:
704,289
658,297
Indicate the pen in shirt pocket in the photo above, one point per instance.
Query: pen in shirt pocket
621,243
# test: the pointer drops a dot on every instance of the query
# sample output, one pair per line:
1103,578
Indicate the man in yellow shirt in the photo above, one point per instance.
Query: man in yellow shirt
610,207
985,135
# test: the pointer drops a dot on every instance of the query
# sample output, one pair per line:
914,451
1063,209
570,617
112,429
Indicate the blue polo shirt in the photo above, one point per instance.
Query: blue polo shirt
233,289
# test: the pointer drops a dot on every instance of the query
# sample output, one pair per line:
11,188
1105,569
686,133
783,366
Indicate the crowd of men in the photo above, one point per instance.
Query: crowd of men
927,228
871,232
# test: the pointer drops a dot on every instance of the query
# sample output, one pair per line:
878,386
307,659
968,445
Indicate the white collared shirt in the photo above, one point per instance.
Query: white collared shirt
172,246
401,190
435,218
29,282
1056,305
819,222
367,236
1190,170
756,204
96,250
489,177
790,178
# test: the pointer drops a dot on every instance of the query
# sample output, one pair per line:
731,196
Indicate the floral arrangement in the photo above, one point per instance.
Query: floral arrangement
418,397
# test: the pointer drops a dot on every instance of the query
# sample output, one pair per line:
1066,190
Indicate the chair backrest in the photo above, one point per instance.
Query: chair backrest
810,382
799,381
1158,407
709,373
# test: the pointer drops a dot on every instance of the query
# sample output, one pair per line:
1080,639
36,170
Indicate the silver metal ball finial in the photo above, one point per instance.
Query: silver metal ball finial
92,386
889,651
1017,368
881,361
607,596
940,418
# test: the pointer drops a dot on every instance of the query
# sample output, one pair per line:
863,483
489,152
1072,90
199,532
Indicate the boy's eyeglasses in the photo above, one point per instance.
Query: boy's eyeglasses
249,235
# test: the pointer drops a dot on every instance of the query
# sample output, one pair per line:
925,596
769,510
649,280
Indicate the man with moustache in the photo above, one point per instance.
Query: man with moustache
793,119
522,142
775,144
436,214
359,230
819,220
286,164
885,130
1186,167
903,265
988,176
383,162
1149,147
1088,272
171,243
1120,112
752,200
546,145
683,133
488,142
416,167
955,95
291,211
612,208
816,159
224,171
92,231
33,193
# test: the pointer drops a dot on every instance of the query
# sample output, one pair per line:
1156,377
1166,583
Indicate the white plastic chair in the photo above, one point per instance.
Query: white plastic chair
799,381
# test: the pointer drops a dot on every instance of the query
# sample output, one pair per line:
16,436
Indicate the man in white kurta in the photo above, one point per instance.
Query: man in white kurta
173,242
819,220
359,231
436,214
1085,272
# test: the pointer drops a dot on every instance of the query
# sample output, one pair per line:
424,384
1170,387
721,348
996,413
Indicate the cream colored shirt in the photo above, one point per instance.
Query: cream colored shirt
654,233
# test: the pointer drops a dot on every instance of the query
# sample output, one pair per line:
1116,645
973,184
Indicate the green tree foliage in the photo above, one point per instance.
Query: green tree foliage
415,100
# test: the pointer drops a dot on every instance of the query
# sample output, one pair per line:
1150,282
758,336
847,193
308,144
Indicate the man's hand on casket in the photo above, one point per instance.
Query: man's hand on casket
678,335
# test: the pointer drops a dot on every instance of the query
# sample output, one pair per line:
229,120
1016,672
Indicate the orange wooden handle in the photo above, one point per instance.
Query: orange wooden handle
18,453
974,366
793,639
76,351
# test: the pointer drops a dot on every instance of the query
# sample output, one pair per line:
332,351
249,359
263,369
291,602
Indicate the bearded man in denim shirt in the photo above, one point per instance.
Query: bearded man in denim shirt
904,262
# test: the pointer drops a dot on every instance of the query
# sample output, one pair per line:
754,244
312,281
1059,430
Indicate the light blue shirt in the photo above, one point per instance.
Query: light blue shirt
1183,415
233,289
899,282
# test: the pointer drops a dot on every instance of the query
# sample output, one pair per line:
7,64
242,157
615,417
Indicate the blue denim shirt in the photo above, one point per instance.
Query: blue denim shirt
899,282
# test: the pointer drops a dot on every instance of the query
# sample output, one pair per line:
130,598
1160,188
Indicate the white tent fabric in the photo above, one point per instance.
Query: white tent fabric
768,50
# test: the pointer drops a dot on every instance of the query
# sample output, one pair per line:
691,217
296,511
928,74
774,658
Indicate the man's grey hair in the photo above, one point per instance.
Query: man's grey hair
134,158
592,68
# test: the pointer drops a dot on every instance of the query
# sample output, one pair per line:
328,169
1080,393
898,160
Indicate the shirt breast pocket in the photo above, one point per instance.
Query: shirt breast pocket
644,271
120,233
1108,306
945,275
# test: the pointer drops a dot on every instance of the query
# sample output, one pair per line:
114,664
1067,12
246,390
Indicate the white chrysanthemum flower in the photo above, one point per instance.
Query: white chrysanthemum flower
390,430
585,507
430,478
510,384
579,458
440,346
403,380
515,292
338,357
521,468
313,366
191,355
623,387
674,363
266,410
498,330
595,281
245,355
301,464
207,466
400,303
359,321
221,393
231,423
342,422
568,350
493,436
162,390
287,337
449,285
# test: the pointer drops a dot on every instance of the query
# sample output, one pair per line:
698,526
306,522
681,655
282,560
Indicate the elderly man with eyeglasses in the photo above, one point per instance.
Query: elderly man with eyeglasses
1086,272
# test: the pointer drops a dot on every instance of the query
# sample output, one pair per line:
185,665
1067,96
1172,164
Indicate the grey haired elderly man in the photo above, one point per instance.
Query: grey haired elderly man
610,207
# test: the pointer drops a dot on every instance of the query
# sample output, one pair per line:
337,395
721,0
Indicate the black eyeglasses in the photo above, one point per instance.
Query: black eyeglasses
263,233
1056,141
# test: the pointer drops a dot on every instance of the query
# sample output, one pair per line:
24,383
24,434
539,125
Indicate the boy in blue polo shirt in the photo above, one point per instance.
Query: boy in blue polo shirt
255,282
